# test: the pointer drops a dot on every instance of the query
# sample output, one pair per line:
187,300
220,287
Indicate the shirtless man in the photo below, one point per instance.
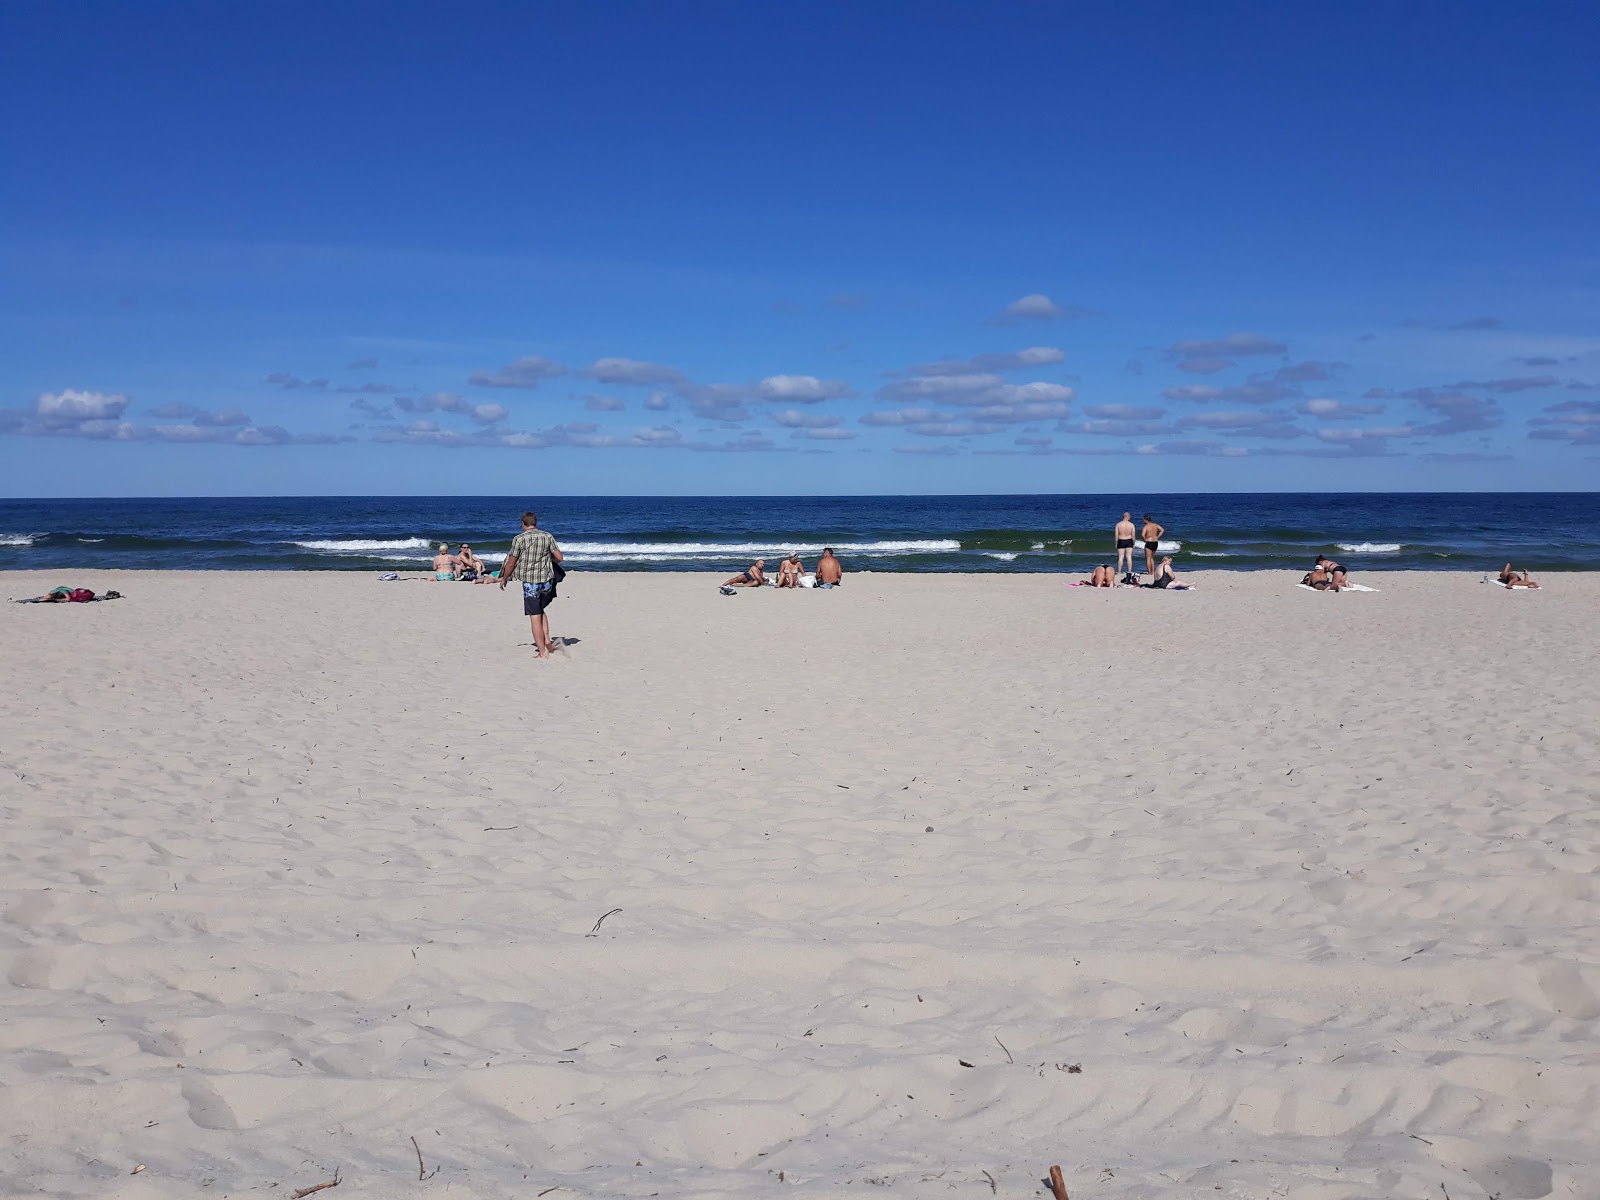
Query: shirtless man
1515,579
1150,535
469,565
790,570
829,573
752,576
1124,536
444,563
1323,580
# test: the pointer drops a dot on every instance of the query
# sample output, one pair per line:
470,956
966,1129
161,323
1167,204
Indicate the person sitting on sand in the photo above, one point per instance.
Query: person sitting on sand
790,570
1103,577
1166,577
444,563
469,565
829,573
1515,579
752,576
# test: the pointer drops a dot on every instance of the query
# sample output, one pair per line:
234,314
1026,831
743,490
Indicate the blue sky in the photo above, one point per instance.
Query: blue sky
648,249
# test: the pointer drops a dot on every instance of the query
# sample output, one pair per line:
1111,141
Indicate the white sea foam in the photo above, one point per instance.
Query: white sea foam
359,546
1209,553
1370,547
1165,547
16,539
83,539
1002,555
671,550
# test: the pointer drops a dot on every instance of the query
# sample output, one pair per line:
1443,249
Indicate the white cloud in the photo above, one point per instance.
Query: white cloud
526,372
824,435
604,403
70,406
1235,344
1035,306
793,418
802,389
1019,360
632,371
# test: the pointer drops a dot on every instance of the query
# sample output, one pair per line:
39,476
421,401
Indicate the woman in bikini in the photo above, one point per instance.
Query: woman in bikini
790,570
1515,579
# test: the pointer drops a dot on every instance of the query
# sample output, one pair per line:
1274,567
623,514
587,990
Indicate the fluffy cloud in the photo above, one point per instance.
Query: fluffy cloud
988,364
483,414
902,416
802,389
604,404
824,435
1121,426
1351,437
632,371
72,406
1189,446
1235,345
526,372
793,418
1036,306
717,401
974,391
658,402
368,389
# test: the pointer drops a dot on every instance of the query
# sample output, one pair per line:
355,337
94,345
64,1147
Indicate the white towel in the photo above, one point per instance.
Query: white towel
1349,587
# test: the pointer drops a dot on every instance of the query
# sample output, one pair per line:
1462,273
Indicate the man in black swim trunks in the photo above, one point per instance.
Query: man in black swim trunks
1124,536
1151,536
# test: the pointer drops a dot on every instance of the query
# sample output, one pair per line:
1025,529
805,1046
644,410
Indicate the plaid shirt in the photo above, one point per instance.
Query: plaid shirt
532,548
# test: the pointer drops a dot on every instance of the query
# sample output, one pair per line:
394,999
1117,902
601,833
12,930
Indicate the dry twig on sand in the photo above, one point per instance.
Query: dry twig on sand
596,930
332,1183
1057,1184
422,1172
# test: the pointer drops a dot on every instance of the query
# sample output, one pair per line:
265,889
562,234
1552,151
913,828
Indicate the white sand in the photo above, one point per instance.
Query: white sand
298,867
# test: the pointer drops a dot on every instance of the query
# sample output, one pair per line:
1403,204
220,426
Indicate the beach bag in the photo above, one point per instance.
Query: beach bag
81,596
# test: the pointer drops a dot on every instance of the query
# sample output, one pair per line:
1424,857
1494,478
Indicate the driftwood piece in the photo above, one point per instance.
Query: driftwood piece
1057,1184
320,1187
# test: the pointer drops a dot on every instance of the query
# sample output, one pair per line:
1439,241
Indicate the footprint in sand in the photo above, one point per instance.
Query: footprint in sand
207,1108
1566,991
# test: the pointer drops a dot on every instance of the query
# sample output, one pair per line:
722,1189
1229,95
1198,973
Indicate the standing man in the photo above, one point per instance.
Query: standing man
829,573
532,564
1124,536
1150,535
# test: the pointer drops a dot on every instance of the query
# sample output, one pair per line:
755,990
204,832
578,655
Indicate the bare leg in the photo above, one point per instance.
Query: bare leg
1149,561
541,634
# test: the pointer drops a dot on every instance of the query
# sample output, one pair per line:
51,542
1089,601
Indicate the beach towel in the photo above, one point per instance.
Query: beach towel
1349,587
1506,586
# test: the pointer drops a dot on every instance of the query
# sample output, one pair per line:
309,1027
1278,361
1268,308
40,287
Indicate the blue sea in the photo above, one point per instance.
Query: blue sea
1412,531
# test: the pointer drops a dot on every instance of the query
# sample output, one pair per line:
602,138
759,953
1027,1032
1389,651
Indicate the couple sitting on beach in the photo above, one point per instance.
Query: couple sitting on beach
791,573
1164,577
462,565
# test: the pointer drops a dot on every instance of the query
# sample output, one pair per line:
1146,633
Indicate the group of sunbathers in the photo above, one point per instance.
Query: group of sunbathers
1162,577
791,574
462,565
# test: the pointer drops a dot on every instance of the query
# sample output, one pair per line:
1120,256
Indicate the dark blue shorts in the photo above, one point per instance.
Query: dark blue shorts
535,598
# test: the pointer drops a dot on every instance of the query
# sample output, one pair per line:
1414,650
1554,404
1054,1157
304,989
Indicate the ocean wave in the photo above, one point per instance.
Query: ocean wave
16,539
1209,553
1370,547
1166,547
1002,555
670,550
360,546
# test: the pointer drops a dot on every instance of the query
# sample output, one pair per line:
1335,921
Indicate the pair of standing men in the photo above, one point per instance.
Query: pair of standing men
533,563
1150,535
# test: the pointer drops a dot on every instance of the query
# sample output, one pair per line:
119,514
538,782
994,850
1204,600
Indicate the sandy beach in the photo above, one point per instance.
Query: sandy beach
914,888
